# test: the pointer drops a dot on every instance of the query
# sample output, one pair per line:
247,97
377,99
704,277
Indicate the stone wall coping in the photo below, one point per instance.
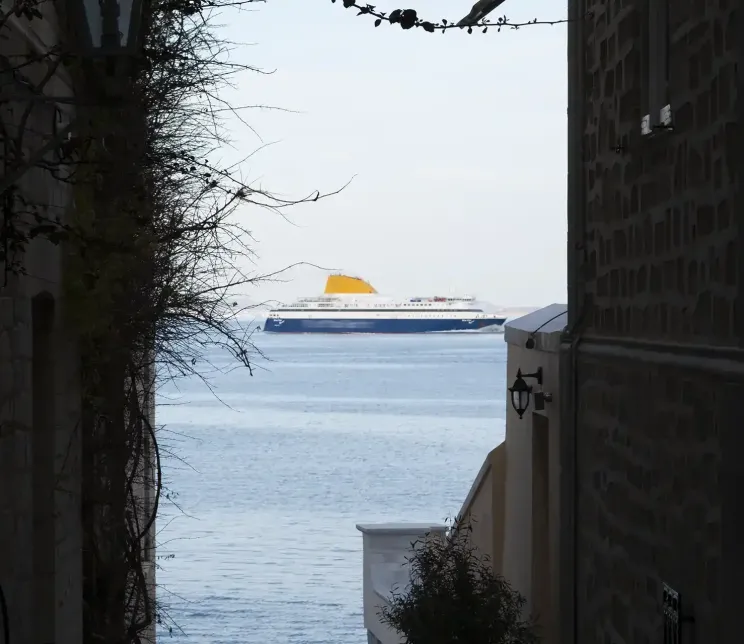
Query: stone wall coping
478,482
400,528
545,326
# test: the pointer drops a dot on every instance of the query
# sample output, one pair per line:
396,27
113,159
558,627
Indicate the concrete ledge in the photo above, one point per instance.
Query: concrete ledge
417,529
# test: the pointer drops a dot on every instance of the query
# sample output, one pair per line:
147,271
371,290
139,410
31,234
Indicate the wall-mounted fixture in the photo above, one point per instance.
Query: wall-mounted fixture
542,397
520,391
665,117
646,125
663,123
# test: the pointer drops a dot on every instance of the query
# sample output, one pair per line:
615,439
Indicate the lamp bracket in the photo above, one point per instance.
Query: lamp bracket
537,375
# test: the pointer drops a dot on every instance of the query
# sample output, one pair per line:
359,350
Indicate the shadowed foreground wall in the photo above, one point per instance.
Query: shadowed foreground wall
653,363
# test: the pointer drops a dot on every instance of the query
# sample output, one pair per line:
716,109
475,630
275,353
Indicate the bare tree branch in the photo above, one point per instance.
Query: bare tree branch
409,19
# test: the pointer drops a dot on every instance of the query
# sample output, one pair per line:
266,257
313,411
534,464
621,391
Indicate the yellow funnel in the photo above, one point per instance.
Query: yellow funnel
343,284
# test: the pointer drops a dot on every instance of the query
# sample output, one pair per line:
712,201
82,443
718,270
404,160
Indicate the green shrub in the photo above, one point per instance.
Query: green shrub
455,598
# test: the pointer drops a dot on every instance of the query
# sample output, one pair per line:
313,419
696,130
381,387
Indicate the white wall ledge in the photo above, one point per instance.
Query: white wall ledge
416,529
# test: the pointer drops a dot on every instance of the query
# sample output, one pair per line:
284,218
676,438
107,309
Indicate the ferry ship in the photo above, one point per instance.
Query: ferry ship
351,305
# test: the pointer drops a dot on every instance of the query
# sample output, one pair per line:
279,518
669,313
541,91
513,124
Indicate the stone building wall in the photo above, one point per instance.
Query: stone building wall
649,506
40,532
661,237
655,364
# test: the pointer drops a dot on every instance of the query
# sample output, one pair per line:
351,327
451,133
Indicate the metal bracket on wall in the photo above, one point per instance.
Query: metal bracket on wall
646,125
665,117
542,397
664,122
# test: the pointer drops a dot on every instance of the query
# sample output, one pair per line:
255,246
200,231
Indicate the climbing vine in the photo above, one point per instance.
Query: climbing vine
153,247
157,255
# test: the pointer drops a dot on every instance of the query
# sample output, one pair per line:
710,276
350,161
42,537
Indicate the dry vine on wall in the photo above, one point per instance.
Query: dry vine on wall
152,253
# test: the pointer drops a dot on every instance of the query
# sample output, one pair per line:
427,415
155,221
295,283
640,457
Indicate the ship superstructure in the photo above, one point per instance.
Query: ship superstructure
351,305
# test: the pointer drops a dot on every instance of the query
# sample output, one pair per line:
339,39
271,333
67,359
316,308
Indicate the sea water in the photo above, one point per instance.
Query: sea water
267,475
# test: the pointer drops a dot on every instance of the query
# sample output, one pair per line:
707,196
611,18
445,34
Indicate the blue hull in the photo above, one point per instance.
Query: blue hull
292,325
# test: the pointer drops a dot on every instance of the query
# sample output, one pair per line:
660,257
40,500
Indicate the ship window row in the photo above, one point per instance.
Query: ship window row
389,310
427,305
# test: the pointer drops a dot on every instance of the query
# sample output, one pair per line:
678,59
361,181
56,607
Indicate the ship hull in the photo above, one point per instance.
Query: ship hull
390,325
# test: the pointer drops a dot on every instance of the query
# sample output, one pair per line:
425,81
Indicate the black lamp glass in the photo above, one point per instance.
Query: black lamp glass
520,395
521,392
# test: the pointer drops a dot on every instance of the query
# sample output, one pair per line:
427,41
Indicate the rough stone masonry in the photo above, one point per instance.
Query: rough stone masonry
657,237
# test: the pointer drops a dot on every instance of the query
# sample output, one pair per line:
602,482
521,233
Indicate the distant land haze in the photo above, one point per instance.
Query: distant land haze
512,312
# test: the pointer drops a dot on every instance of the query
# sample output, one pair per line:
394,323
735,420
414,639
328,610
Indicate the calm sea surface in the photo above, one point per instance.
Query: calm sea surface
272,477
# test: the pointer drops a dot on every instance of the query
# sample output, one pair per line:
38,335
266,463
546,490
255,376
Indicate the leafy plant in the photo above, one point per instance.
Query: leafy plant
454,597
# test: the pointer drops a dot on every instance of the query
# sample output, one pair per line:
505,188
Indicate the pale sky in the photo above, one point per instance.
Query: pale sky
456,142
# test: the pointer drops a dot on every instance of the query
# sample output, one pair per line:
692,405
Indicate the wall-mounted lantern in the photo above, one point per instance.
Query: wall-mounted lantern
520,391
